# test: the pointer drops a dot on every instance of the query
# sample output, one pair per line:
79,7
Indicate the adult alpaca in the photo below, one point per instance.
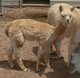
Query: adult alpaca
73,31
60,13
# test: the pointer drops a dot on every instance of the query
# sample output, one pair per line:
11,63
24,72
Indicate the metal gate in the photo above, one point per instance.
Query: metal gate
35,1
1,7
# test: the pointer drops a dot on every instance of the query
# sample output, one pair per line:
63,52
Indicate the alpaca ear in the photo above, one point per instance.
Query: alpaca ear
72,9
60,8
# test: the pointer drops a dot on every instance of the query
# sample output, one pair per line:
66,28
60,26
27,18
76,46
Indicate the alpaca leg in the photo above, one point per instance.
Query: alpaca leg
40,54
57,45
46,56
17,55
18,44
10,54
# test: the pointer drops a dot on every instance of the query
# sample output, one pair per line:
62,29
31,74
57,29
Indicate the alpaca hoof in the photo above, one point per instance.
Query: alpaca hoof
12,65
48,66
25,69
61,57
38,70
72,72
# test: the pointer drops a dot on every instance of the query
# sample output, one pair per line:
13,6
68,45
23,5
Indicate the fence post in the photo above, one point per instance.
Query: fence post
1,7
20,3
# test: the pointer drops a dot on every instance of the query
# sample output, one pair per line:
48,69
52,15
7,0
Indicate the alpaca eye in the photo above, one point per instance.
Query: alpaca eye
70,16
63,16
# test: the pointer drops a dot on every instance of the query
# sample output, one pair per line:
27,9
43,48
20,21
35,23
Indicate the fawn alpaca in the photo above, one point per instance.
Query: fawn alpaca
21,30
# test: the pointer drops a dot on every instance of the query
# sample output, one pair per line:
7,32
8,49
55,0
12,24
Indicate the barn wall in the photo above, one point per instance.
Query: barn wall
72,2
64,0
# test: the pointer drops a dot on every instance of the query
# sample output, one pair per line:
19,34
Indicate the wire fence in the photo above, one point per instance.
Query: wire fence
12,2
1,7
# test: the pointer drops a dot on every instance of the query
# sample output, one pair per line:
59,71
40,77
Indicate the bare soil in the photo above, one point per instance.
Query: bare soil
58,67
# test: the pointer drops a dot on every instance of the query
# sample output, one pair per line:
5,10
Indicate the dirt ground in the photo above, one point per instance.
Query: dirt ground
58,67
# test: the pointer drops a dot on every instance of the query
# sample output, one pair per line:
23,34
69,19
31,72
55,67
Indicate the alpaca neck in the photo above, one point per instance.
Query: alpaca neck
59,30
